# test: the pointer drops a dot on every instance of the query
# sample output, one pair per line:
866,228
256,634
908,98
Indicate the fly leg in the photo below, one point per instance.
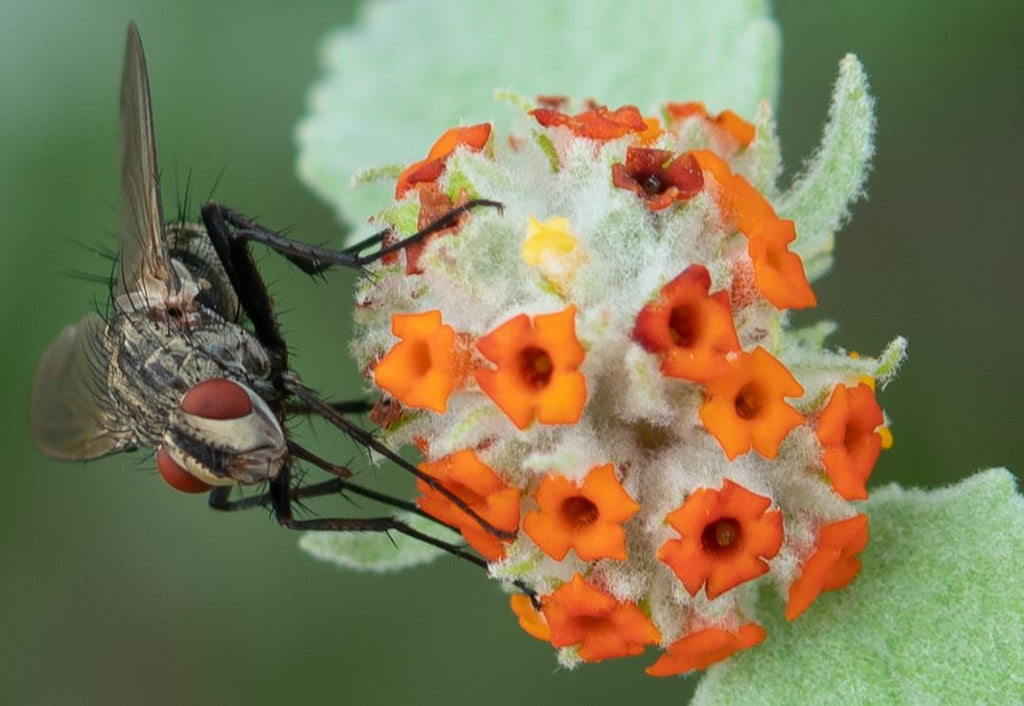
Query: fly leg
281,497
247,282
364,437
358,406
314,259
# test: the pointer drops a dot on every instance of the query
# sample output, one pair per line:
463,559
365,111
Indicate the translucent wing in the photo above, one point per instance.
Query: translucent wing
144,262
66,412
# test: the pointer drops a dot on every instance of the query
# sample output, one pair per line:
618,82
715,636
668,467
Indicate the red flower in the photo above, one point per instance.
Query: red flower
434,204
848,432
604,628
689,328
657,177
597,123
832,566
726,536
699,650
587,517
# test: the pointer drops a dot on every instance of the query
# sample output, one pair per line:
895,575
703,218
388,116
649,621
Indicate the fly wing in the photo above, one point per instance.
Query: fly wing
66,413
144,262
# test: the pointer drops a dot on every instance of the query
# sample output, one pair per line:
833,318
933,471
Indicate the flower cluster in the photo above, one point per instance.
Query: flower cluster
605,369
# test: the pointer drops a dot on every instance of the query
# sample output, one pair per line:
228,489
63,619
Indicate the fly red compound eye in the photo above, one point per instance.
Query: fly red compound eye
217,399
176,476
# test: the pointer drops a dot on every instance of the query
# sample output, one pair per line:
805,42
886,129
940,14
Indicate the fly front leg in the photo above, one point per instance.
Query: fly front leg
247,282
358,406
281,502
315,259
366,439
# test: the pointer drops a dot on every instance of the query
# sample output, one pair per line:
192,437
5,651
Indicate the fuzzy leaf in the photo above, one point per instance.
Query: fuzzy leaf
936,615
376,551
819,200
410,70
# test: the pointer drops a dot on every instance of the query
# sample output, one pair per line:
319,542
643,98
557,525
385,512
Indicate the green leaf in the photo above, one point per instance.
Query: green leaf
377,551
407,71
819,201
936,615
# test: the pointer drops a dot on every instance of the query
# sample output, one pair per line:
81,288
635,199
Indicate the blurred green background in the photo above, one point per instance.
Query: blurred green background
118,590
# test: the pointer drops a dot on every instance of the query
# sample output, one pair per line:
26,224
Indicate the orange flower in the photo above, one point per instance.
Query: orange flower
847,431
699,650
726,535
587,518
530,619
691,329
424,367
726,121
537,371
832,566
597,123
604,628
779,273
658,178
745,407
477,485
473,137
649,136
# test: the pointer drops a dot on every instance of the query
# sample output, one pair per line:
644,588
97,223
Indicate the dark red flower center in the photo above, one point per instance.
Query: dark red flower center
420,358
721,535
535,367
749,402
854,437
652,183
579,512
683,324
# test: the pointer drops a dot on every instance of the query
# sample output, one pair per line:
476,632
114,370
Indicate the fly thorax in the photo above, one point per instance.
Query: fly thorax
223,433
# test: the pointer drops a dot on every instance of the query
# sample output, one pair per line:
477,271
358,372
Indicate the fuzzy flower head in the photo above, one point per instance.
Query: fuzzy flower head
606,368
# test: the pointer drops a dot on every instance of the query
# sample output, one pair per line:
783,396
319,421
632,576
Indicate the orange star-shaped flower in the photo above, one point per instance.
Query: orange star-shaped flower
689,328
597,123
699,650
604,628
727,121
473,137
587,518
537,373
832,566
745,407
477,485
848,432
726,536
658,177
422,369
530,619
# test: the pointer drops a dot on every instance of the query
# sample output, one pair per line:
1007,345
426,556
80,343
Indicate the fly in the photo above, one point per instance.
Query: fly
172,365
